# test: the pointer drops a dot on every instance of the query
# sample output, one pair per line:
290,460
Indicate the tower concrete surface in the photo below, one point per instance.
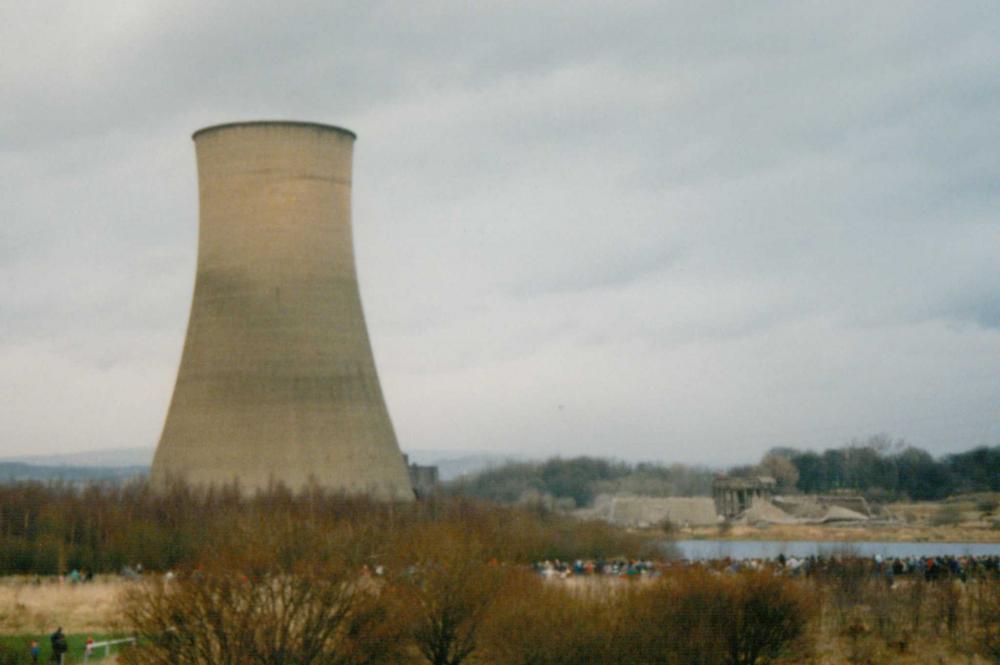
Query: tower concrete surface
277,382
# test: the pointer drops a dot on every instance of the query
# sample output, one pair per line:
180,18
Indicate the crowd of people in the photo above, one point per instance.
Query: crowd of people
618,567
910,567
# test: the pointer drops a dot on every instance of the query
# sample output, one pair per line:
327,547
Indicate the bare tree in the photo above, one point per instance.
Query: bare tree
270,601
445,584
781,469
535,623
768,615
697,618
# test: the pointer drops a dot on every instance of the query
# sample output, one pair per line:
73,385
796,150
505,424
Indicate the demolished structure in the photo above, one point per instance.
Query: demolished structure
753,500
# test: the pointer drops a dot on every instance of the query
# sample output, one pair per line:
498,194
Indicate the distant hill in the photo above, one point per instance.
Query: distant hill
115,458
130,462
19,471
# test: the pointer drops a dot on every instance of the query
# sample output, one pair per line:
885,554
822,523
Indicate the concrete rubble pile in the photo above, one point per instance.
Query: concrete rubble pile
645,511
798,510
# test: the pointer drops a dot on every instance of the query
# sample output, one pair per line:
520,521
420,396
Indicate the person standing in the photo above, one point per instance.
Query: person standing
35,651
59,646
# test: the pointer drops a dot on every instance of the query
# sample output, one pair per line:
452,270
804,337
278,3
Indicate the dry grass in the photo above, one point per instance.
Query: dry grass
27,607
836,652
835,645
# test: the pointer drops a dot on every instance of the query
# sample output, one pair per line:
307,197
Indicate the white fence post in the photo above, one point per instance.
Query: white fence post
107,647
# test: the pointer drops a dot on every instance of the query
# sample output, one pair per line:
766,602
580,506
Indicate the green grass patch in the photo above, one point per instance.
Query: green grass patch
16,649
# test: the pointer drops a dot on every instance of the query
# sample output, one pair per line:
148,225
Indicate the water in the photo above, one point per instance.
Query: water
769,549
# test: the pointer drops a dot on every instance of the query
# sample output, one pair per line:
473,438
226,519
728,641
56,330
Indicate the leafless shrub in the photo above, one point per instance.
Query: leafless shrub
444,582
276,597
860,647
769,618
681,616
543,624
847,585
946,601
702,618
890,612
916,593
987,627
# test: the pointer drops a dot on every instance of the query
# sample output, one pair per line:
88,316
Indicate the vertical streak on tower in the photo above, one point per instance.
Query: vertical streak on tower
277,382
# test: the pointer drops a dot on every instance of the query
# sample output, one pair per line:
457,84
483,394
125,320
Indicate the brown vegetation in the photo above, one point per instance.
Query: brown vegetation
987,623
271,597
30,606
537,623
705,618
866,619
318,578
851,617
53,529
447,613
444,583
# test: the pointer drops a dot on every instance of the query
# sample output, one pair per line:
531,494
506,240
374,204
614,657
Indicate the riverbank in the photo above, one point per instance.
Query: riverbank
963,519
853,532
881,532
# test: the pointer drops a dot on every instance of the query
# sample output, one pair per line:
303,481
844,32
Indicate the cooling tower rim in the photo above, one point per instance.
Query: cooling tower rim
276,123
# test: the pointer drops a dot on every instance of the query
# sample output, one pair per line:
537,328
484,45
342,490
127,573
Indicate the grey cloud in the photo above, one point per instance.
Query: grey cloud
612,268
690,223
982,308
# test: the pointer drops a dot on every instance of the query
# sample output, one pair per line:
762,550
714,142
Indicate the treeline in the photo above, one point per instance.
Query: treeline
56,528
879,467
883,469
575,482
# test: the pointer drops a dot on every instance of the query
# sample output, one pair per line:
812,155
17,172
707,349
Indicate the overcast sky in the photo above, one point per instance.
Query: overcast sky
683,231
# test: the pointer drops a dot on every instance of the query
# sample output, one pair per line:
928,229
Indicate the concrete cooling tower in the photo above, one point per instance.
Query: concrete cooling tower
277,381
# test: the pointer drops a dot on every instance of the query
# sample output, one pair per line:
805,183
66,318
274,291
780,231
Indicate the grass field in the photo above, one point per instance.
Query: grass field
32,610
20,644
